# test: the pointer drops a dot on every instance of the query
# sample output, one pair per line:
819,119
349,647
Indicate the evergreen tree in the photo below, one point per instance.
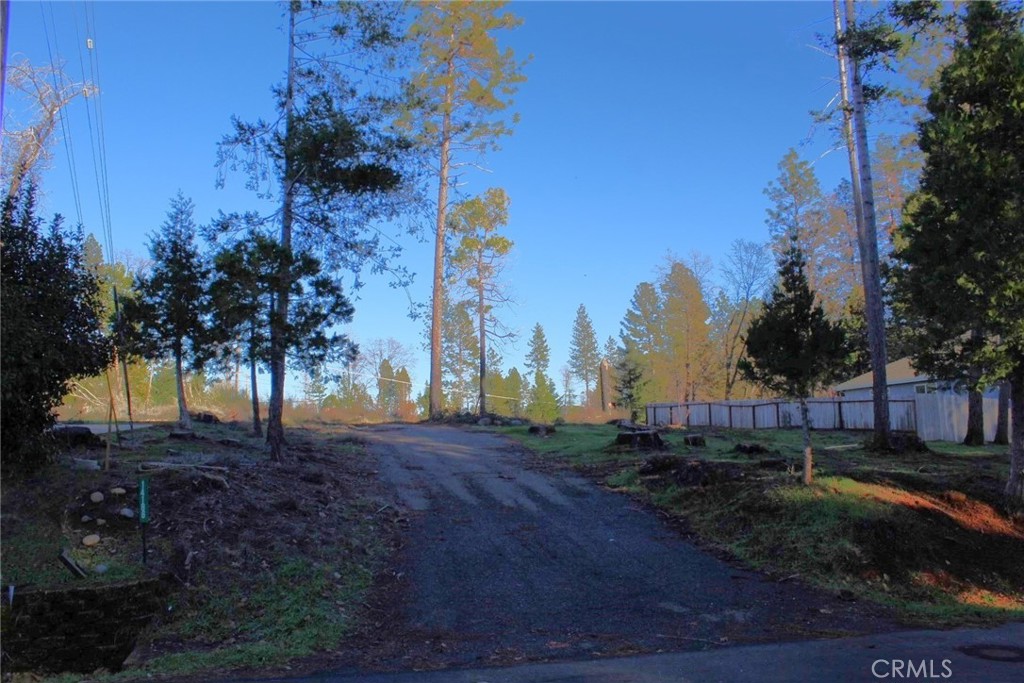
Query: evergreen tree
630,382
543,405
387,390
643,335
458,97
538,356
477,265
514,391
403,385
958,277
685,356
314,391
792,348
461,356
584,353
168,319
51,329
327,156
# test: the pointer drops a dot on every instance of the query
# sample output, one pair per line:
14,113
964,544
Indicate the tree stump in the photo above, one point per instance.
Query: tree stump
647,439
695,440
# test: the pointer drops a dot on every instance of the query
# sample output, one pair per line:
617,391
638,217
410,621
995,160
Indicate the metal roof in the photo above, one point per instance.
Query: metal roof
897,372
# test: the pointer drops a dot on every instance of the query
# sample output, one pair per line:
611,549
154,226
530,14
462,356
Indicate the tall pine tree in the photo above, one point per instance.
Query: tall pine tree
959,262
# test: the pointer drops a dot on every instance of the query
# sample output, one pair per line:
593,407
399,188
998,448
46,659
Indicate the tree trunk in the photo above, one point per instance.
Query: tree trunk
439,244
279,315
1003,416
1015,484
482,320
184,419
808,451
867,233
975,419
257,426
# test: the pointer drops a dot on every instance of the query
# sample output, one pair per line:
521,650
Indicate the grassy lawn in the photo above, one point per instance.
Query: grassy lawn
922,532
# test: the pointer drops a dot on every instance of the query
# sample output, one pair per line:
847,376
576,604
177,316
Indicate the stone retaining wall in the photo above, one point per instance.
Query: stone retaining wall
78,629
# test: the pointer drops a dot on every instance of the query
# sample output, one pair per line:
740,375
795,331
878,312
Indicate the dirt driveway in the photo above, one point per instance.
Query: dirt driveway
502,562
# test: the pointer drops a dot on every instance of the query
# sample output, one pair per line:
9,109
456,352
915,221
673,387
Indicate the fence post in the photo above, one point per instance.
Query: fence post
730,416
842,424
753,416
778,416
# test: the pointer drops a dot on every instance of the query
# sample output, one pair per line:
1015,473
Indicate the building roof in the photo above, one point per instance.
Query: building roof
897,372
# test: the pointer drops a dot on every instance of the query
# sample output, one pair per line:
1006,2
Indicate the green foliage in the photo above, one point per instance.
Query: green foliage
387,390
513,388
538,355
961,239
465,81
792,348
543,405
630,382
584,353
460,357
51,330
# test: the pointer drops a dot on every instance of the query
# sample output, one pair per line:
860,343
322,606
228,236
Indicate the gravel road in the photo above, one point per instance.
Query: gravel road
502,563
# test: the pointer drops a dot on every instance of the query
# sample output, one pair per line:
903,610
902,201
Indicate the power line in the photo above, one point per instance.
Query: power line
65,129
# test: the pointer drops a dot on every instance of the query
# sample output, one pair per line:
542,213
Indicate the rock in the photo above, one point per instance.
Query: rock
206,418
91,540
337,576
86,519
541,430
182,435
485,422
85,464
127,513
101,522
230,443
101,569
76,436
118,491
96,497
515,423
750,448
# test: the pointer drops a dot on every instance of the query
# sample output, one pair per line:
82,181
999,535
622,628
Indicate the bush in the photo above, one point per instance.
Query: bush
51,331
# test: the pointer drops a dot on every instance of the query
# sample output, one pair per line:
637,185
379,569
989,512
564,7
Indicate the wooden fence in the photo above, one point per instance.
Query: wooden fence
774,414
940,416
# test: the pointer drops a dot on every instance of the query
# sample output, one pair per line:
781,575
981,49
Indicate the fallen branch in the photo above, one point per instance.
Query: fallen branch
157,466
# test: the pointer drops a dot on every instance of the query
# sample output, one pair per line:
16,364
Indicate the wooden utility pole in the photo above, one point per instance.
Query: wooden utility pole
855,133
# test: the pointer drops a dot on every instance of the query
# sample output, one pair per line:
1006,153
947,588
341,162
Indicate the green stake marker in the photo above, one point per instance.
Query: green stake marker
144,500
143,512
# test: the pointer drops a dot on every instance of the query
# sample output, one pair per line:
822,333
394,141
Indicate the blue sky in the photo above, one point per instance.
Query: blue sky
647,128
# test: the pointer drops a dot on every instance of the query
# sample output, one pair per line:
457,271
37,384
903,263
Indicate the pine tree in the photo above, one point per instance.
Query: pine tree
459,97
584,353
792,347
643,336
538,356
168,319
514,391
958,277
477,265
630,382
387,390
543,405
327,156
